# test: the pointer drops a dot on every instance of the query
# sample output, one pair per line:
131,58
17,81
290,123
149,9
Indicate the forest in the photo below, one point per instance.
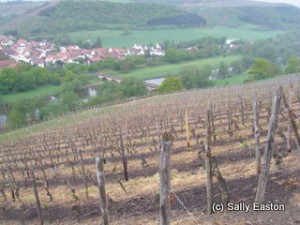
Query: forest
92,15
280,17
186,20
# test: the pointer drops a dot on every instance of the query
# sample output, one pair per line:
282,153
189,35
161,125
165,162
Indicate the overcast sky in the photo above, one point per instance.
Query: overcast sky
293,2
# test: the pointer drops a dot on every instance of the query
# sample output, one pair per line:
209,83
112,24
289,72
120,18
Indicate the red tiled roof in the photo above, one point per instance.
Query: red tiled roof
5,39
96,59
38,61
101,51
7,63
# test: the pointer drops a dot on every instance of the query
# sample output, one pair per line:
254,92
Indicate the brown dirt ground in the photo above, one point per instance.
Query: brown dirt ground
140,205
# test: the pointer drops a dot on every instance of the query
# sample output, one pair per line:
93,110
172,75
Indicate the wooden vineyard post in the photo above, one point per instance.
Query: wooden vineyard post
208,162
229,116
212,119
124,160
292,117
263,178
289,130
101,188
38,203
84,175
165,184
242,109
257,134
187,128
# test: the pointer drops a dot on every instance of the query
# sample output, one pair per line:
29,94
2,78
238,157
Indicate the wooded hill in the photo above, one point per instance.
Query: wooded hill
93,15
71,16
282,17
233,13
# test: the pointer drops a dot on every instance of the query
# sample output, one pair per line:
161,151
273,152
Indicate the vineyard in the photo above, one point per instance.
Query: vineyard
111,169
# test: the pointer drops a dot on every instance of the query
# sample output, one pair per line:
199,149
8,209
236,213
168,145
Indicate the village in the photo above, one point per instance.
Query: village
44,53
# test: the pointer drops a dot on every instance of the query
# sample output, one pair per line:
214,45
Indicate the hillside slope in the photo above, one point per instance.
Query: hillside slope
235,13
61,17
67,16
59,163
23,17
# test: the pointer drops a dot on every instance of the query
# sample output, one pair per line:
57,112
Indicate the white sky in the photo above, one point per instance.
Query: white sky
292,2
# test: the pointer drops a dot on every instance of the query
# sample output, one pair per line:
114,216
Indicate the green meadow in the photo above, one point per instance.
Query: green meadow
173,69
232,80
39,92
115,38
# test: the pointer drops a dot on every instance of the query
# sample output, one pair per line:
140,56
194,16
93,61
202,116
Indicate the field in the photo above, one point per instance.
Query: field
111,38
45,91
62,159
232,80
40,92
173,69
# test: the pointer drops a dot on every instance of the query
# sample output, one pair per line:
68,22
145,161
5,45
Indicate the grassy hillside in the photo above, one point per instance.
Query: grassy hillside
40,92
173,69
65,120
93,15
232,80
18,8
266,16
128,21
236,12
10,10
85,115
115,38
278,17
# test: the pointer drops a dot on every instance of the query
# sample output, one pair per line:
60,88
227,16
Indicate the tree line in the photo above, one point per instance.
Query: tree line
25,77
184,20
263,59
93,15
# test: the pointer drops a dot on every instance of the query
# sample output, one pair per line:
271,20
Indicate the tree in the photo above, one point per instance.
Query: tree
262,68
237,67
267,51
40,75
246,62
72,85
17,115
193,77
126,65
293,65
109,91
70,76
172,55
96,100
71,100
133,87
170,84
55,79
97,43
2,104
24,82
223,70
52,110
111,63
8,80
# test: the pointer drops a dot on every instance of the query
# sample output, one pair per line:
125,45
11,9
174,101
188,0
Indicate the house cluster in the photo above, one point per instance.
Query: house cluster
231,43
42,53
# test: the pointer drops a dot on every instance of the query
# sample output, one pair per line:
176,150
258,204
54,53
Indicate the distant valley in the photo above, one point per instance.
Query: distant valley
115,23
